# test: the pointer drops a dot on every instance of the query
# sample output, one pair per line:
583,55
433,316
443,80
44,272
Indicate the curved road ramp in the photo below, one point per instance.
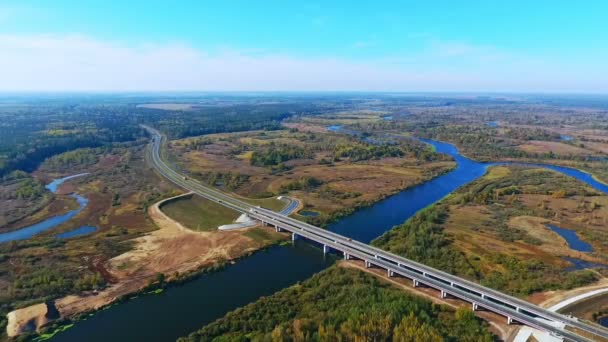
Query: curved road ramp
244,221
515,310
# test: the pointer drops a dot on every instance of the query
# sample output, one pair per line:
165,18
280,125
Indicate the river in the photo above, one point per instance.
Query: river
52,222
182,309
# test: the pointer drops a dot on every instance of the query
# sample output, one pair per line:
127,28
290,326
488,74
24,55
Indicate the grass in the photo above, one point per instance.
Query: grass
199,214
271,203
260,235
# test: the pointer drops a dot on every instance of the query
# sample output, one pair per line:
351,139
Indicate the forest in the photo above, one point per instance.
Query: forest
341,304
29,134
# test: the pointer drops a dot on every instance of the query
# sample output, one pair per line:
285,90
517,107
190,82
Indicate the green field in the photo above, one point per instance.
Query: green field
270,203
199,214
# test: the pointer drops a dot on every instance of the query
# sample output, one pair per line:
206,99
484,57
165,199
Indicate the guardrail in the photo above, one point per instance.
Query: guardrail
511,307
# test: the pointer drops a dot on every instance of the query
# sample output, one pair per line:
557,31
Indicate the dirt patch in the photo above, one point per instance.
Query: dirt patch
550,298
537,146
171,250
26,319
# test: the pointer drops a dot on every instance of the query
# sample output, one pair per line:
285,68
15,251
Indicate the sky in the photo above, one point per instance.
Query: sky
227,45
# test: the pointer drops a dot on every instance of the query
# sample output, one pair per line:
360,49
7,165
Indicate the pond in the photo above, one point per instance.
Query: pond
182,309
309,213
572,239
84,230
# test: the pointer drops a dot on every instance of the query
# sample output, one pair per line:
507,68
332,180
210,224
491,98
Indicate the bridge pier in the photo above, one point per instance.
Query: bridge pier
325,249
294,236
368,264
444,294
278,229
510,320
346,256
475,306
390,273
416,283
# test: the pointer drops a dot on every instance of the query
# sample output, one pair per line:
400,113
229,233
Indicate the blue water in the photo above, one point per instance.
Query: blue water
566,137
182,309
334,128
84,230
56,183
493,124
368,223
572,238
387,118
580,175
29,231
579,264
309,213
603,321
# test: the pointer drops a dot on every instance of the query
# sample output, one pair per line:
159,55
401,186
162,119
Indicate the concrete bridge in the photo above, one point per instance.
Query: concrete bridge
513,309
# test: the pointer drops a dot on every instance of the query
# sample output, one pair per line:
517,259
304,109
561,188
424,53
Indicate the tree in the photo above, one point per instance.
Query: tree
411,329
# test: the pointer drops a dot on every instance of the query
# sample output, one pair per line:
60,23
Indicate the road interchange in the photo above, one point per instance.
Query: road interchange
515,309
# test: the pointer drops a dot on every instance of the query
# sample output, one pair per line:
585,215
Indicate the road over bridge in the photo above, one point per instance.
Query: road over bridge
514,309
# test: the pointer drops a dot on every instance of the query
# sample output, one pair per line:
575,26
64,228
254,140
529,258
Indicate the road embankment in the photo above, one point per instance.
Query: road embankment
172,250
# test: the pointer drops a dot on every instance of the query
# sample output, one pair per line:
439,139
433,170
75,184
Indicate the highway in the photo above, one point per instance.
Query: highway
481,297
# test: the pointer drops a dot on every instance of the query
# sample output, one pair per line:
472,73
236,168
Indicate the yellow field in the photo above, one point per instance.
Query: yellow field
558,148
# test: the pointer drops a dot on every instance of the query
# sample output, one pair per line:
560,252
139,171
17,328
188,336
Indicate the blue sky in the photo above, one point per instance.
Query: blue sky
542,46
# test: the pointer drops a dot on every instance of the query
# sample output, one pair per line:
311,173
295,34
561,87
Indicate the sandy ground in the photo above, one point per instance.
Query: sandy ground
497,323
550,298
18,320
170,249
583,308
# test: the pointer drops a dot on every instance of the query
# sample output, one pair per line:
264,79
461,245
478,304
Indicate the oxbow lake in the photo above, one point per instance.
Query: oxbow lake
29,231
185,308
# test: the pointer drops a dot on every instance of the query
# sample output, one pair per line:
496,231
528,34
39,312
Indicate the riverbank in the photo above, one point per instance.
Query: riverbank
497,323
264,273
153,254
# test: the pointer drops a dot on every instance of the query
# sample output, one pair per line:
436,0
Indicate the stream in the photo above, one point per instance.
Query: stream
52,222
182,309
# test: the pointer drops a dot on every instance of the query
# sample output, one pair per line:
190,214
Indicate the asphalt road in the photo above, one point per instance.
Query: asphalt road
517,309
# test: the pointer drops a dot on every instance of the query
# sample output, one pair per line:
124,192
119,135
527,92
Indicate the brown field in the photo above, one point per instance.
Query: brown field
466,224
154,253
371,180
473,226
601,147
558,148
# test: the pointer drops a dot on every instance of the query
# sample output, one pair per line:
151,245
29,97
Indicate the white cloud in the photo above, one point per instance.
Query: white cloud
75,62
